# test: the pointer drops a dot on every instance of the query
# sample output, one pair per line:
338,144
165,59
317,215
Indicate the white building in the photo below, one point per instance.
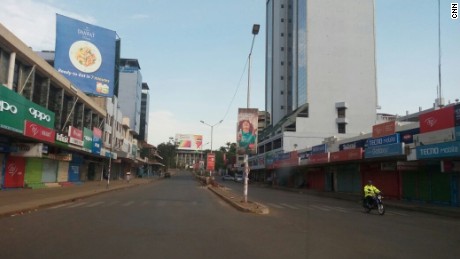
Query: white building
320,72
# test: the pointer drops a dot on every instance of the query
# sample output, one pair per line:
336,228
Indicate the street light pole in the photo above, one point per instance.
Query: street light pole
212,129
255,31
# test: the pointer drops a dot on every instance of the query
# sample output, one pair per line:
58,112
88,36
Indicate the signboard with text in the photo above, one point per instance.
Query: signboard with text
438,119
211,162
85,54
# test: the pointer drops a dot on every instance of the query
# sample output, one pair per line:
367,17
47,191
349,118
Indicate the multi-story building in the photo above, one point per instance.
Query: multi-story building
50,131
320,72
130,88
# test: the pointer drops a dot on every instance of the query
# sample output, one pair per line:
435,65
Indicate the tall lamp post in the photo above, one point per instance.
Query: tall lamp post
255,31
212,129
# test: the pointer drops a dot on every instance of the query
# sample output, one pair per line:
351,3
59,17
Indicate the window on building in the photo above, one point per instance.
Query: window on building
342,128
282,63
282,48
282,77
282,19
282,34
282,92
341,112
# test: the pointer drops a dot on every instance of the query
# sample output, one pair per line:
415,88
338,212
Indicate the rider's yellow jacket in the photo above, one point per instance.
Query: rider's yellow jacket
370,190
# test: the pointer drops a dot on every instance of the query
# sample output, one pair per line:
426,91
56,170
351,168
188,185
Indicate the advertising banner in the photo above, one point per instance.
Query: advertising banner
437,120
87,140
75,136
97,141
449,149
390,139
384,129
189,142
384,151
14,172
15,109
346,155
246,136
434,137
85,54
211,162
39,132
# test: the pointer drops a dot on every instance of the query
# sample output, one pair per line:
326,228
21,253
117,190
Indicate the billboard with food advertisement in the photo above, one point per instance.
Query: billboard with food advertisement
189,141
85,54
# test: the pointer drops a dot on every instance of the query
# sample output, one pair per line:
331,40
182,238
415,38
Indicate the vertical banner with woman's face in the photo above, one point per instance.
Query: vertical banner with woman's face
246,135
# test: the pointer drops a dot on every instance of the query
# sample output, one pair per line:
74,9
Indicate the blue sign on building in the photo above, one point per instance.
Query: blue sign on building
85,54
319,149
386,140
396,149
447,149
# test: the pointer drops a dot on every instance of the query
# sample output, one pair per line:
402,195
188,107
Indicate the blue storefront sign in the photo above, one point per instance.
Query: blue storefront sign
457,114
448,149
353,145
386,140
384,151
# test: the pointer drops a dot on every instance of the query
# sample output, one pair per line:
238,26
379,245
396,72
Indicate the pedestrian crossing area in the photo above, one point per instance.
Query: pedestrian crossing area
163,203
122,204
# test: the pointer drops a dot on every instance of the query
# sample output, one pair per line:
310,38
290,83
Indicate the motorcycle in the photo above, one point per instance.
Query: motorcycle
375,203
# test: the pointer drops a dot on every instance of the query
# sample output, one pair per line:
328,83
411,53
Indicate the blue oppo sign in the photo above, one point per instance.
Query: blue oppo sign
390,139
448,149
384,150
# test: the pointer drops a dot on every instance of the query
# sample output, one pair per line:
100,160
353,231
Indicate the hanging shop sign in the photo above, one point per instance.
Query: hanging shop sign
384,129
97,141
15,109
449,149
75,136
407,136
396,149
87,140
39,132
346,155
437,120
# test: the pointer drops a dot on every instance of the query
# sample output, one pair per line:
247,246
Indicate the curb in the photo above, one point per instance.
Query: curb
231,199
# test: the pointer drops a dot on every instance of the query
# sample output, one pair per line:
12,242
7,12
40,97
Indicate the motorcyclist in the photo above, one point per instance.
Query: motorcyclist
370,192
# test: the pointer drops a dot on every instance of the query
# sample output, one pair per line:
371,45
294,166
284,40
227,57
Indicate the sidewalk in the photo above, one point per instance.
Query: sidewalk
20,201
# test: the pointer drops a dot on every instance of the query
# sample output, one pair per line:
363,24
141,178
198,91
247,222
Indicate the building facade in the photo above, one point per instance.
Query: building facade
320,71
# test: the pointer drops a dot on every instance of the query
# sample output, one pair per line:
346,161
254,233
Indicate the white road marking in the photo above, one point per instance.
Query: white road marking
76,205
94,204
289,206
275,206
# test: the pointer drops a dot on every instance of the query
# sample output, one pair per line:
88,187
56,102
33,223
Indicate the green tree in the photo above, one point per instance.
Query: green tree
167,150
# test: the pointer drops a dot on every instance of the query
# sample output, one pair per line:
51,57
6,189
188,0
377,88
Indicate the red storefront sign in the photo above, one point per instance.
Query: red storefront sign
319,158
39,132
14,172
211,161
384,129
436,120
75,136
345,155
